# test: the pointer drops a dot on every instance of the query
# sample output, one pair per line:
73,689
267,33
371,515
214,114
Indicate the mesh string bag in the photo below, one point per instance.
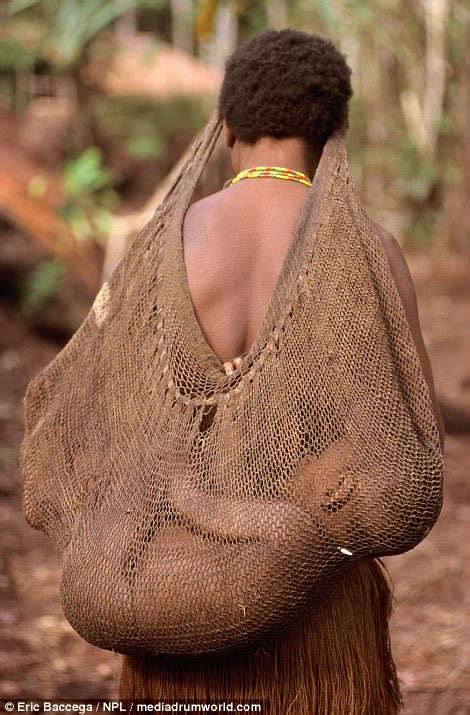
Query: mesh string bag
195,512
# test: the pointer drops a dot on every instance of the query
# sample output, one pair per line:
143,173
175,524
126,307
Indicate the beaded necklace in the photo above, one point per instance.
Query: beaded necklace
271,172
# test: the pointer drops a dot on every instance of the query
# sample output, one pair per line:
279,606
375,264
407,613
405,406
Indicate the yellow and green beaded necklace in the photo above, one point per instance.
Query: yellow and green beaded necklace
271,172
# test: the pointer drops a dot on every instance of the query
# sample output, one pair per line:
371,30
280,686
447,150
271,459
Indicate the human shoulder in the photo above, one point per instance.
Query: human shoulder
398,265
199,227
203,212
406,289
402,277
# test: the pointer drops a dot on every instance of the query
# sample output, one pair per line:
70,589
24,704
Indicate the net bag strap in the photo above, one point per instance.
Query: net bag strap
187,177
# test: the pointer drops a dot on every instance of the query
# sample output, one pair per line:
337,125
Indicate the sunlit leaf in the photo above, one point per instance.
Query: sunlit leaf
143,147
86,173
42,285
17,6
37,187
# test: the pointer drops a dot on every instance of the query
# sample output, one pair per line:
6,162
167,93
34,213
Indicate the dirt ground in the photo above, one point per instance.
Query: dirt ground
40,654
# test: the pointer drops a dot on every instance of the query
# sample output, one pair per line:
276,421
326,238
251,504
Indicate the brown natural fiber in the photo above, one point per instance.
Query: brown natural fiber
333,661
196,512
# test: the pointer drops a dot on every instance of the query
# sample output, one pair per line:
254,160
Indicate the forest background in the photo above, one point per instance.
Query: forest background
99,102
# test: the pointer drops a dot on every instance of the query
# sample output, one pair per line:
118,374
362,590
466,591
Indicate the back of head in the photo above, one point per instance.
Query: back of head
286,83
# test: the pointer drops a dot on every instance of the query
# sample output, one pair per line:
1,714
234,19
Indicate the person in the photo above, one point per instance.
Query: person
283,95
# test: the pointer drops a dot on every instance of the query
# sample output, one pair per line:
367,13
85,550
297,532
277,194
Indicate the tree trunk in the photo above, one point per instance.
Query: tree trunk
435,18
181,25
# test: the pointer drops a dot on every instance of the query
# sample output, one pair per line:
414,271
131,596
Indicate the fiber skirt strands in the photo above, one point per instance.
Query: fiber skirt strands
336,660
196,512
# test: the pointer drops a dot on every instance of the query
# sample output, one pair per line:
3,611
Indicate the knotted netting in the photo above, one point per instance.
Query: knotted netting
196,511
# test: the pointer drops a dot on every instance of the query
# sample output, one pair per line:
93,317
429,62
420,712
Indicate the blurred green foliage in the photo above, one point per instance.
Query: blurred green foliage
14,55
147,129
89,198
41,286
388,43
67,26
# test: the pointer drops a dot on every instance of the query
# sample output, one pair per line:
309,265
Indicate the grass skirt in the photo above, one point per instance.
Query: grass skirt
335,661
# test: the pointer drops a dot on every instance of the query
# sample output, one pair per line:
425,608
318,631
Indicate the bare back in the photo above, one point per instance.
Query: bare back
235,242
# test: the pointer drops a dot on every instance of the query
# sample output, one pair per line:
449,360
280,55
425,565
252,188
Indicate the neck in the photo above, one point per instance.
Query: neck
290,153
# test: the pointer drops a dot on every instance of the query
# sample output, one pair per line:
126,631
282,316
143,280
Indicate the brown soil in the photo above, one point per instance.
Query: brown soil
40,654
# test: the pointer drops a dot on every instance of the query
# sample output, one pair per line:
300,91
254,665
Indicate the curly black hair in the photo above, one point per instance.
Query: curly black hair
285,83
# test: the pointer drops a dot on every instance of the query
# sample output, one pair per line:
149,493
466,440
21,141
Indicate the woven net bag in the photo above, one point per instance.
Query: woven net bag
194,511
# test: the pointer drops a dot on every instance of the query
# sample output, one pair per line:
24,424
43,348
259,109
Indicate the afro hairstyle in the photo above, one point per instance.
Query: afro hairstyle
285,83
